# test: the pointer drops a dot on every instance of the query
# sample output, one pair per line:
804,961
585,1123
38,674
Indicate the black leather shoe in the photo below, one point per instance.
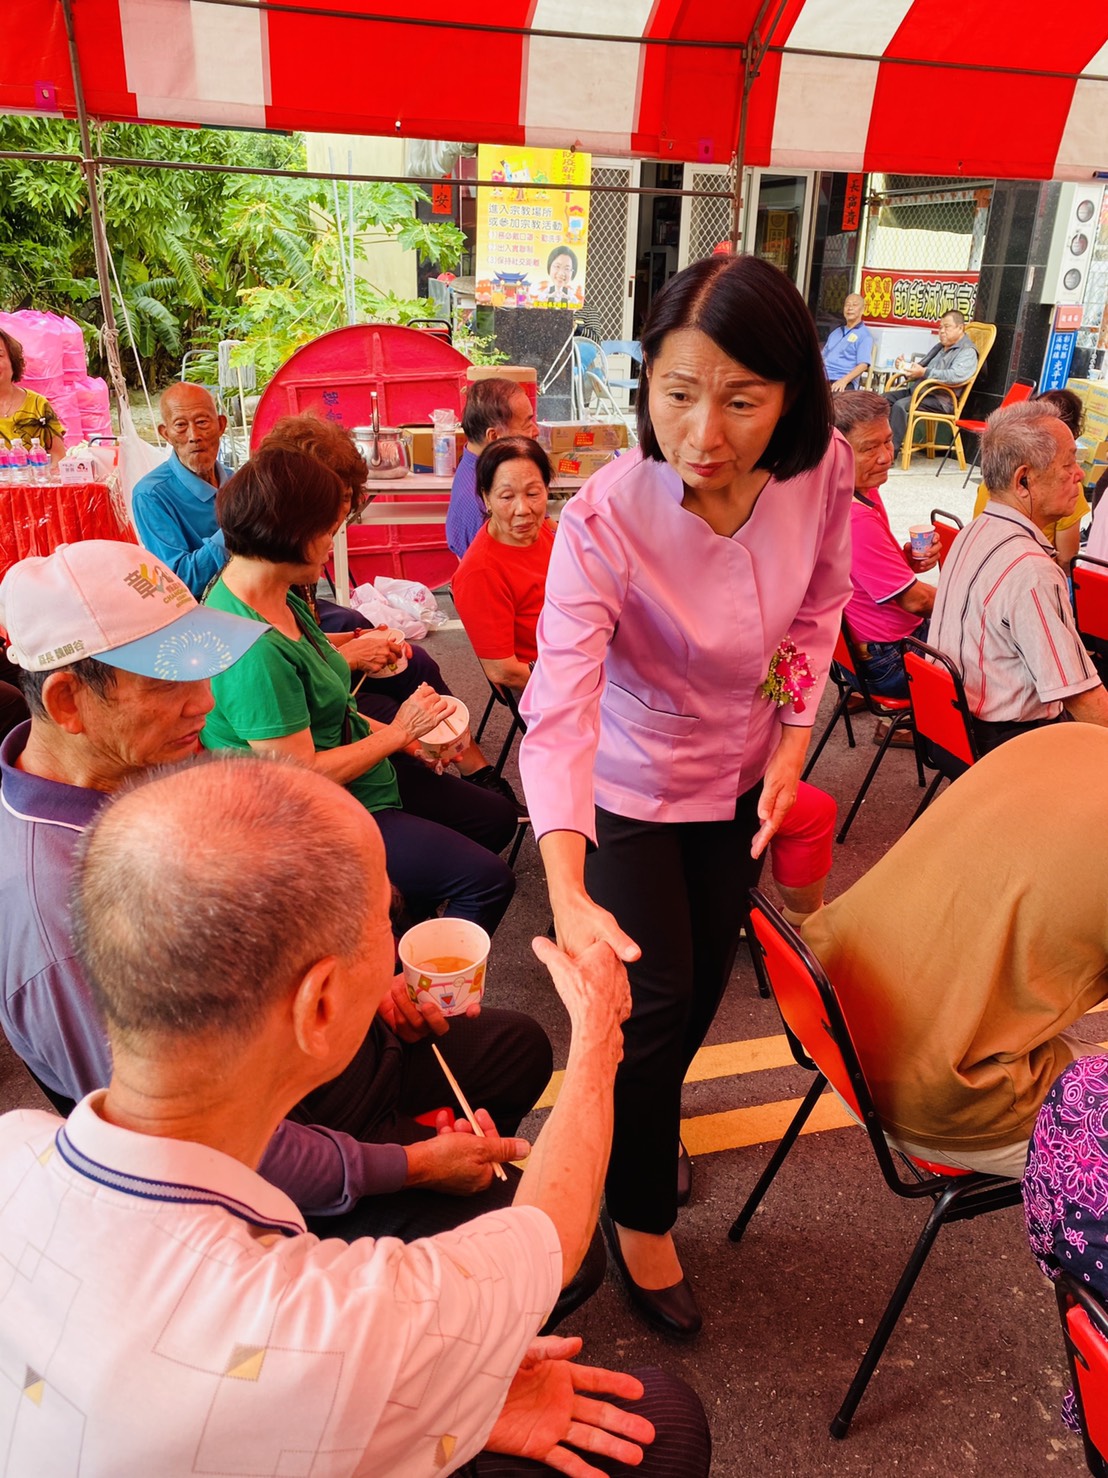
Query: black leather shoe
684,1175
672,1310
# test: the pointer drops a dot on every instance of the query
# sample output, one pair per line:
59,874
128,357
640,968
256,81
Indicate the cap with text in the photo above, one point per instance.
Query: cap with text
120,604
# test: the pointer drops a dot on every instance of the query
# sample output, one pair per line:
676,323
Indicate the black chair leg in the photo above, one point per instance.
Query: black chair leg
894,725
788,1139
839,711
505,748
521,832
489,706
756,958
929,796
893,1310
973,464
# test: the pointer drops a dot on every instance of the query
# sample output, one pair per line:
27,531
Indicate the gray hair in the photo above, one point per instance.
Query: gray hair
1017,436
204,891
854,408
91,673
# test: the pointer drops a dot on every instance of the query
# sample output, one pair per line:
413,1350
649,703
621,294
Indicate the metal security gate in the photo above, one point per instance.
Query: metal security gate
613,229
704,222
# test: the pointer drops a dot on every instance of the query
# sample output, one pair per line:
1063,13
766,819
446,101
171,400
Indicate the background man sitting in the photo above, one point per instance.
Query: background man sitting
174,504
848,352
952,361
888,601
1002,612
964,955
492,408
138,698
192,1321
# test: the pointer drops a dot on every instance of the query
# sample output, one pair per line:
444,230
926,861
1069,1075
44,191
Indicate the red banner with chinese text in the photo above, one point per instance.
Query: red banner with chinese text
916,297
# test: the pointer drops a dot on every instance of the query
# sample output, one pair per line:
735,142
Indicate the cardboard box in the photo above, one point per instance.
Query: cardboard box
572,436
582,463
423,456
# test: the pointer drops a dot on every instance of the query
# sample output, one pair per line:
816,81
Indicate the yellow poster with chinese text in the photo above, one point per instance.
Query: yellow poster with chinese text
532,227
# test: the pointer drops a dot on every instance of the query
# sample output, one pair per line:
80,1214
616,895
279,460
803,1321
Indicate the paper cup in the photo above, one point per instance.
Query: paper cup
923,537
429,949
396,636
449,739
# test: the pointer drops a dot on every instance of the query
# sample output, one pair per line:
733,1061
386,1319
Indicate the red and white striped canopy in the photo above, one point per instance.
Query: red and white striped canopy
971,87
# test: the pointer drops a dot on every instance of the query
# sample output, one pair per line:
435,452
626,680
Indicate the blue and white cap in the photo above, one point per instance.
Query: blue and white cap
120,604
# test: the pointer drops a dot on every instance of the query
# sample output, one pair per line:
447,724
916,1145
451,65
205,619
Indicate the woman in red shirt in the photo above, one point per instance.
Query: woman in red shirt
500,584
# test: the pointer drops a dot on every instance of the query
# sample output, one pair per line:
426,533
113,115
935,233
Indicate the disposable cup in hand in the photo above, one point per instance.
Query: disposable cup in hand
923,538
397,639
446,958
447,740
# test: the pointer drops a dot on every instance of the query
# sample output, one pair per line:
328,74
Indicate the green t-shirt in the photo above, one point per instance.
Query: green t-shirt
281,686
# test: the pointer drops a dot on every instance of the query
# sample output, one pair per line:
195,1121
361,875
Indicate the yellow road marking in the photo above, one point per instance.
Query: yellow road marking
726,1060
761,1124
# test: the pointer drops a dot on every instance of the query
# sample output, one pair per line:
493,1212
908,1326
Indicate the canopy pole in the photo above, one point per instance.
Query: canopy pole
90,168
753,52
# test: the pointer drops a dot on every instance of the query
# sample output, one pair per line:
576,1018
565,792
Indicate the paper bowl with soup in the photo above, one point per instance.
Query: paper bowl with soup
447,740
446,958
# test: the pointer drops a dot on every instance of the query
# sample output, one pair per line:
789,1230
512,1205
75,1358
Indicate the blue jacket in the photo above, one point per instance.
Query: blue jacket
174,513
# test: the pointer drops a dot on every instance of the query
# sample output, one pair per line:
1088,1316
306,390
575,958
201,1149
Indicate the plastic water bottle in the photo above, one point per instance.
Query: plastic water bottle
5,465
39,459
19,464
443,445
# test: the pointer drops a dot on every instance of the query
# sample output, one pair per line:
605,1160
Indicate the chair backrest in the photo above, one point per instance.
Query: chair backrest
947,527
1018,390
631,347
939,708
1090,596
808,1005
843,655
1085,1329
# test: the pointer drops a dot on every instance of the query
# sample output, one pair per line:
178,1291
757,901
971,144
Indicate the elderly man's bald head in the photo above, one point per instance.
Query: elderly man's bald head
204,893
191,423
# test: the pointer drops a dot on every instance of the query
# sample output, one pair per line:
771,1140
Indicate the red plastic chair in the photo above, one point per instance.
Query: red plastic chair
1085,1330
947,528
1090,597
848,675
941,717
819,1036
1017,391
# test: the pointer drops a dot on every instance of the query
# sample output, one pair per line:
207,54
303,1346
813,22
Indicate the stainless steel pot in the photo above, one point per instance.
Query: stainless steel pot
387,449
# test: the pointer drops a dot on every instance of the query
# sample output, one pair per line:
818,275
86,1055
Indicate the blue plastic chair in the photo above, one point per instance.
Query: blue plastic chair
633,349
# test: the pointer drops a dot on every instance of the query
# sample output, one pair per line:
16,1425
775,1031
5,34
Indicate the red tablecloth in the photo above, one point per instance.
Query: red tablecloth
36,517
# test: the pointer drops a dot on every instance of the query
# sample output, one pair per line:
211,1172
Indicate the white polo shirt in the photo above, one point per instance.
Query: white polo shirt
163,1311
1002,613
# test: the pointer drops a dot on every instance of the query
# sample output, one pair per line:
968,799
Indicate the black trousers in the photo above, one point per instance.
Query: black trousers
682,1446
678,889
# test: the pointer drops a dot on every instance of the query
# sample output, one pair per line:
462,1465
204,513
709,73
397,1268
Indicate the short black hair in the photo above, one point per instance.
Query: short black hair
488,406
95,675
1067,406
509,449
276,503
754,313
562,251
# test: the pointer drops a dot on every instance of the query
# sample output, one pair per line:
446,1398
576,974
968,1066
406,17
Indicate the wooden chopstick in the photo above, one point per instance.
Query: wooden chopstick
497,1170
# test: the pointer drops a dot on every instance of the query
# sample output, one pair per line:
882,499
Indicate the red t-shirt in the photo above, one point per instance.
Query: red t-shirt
498,591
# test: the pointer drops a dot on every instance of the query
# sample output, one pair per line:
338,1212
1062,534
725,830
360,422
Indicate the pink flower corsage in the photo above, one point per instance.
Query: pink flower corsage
789,677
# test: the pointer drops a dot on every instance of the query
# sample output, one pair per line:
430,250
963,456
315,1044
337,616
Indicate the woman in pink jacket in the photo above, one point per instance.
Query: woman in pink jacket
692,604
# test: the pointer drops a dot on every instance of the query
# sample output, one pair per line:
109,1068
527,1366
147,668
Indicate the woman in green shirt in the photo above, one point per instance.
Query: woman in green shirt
279,514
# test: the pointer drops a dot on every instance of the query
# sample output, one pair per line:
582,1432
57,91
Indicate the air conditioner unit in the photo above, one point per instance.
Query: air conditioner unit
1071,246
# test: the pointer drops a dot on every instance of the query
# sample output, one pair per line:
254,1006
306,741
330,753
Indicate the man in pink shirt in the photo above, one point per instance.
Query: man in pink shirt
888,602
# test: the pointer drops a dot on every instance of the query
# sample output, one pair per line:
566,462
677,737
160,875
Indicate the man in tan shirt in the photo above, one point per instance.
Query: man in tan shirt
962,958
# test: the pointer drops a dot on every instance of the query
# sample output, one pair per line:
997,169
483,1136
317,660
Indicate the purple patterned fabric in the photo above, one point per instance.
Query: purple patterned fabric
1065,1188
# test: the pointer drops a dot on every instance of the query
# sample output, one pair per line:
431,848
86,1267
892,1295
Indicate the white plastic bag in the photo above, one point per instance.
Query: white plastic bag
375,608
415,599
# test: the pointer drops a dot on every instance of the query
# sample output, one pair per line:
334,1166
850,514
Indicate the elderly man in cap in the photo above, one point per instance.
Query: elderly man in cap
174,504
1002,612
115,658
192,1324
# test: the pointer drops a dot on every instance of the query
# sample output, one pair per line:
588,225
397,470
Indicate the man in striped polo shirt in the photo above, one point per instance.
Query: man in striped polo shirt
1002,612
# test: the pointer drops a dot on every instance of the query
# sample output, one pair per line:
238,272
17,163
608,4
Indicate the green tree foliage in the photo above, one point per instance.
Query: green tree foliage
199,256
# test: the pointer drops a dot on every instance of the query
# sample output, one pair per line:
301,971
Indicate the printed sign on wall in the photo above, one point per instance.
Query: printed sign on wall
531,243
916,297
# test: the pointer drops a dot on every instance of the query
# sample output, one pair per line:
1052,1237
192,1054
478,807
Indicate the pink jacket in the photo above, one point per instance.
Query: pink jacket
657,633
